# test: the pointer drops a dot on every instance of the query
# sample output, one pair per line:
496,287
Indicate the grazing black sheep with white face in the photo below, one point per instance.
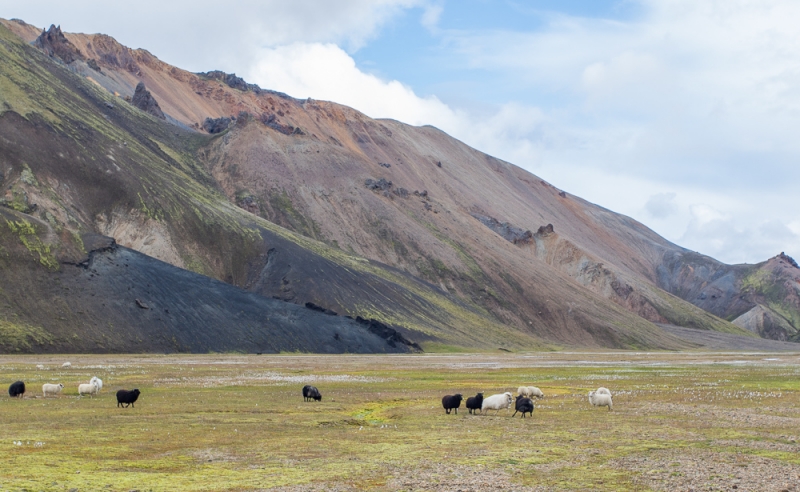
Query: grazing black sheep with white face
127,398
474,402
524,405
311,393
452,402
16,389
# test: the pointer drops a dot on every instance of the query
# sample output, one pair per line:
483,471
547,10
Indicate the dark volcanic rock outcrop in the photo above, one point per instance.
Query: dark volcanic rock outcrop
216,125
508,232
129,302
55,44
379,185
231,80
145,101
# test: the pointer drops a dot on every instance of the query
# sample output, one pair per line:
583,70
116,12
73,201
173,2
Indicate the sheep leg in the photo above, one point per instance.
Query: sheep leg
515,412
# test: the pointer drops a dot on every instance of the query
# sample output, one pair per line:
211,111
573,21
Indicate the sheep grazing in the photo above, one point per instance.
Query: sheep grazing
66,365
97,381
497,402
475,402
311,393
530,392
17,389
601,399
127,398
52,389
524,405
452,402
87,389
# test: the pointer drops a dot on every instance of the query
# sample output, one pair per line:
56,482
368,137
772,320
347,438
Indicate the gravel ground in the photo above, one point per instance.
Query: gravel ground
430,477
714,340
695,470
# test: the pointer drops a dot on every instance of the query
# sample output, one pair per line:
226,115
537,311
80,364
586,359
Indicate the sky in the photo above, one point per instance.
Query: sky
682,114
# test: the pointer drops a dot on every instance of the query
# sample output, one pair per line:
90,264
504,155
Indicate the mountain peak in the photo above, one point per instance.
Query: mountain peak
55,44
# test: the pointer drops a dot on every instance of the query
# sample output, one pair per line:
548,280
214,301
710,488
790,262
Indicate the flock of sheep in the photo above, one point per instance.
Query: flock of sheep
92,388
522,404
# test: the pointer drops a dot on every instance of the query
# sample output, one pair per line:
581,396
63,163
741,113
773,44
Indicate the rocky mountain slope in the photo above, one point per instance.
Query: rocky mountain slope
310,201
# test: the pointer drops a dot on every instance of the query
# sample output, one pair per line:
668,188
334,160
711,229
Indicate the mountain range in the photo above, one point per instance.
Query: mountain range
147,208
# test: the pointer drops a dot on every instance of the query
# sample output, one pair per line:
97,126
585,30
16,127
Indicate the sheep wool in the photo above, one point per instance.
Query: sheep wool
451,402
497,402
127,398
474,403
17,388
311,393
600,400
97,381
87,389
49,389
524,405
530,392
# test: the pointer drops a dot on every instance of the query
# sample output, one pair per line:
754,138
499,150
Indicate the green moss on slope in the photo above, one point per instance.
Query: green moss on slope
20,337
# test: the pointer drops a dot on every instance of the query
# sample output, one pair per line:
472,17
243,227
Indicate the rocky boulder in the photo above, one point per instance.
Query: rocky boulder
231,80
379,185
145,101
216,125
508,231
56,45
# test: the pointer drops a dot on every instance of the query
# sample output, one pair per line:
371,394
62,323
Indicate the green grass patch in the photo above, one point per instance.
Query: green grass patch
236,422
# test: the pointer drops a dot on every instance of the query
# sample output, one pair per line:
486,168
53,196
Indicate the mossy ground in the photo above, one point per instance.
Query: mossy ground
239,422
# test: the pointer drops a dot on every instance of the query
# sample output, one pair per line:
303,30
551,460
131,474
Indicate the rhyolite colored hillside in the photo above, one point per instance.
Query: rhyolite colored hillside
303,201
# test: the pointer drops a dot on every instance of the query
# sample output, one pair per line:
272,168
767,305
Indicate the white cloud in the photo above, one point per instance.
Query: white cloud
431,15
203,35
661,205
325,71
714,232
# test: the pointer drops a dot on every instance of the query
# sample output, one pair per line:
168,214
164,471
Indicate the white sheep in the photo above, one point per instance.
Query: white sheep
497,402
66,365
97,381
530,391
87,389
52,389
601,399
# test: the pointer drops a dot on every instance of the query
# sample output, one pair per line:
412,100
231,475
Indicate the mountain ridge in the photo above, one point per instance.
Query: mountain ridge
405,198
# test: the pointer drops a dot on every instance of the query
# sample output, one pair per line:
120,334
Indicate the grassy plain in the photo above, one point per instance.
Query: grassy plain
234,422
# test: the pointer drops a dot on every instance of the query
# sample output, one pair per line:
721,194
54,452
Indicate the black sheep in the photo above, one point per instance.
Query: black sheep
311,393
475,402
452,402
16,389
524,405
127,397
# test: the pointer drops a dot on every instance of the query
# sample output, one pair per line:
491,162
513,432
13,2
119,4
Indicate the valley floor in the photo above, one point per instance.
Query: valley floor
681,421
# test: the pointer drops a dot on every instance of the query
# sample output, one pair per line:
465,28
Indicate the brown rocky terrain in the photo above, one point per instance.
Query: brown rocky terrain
424,209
